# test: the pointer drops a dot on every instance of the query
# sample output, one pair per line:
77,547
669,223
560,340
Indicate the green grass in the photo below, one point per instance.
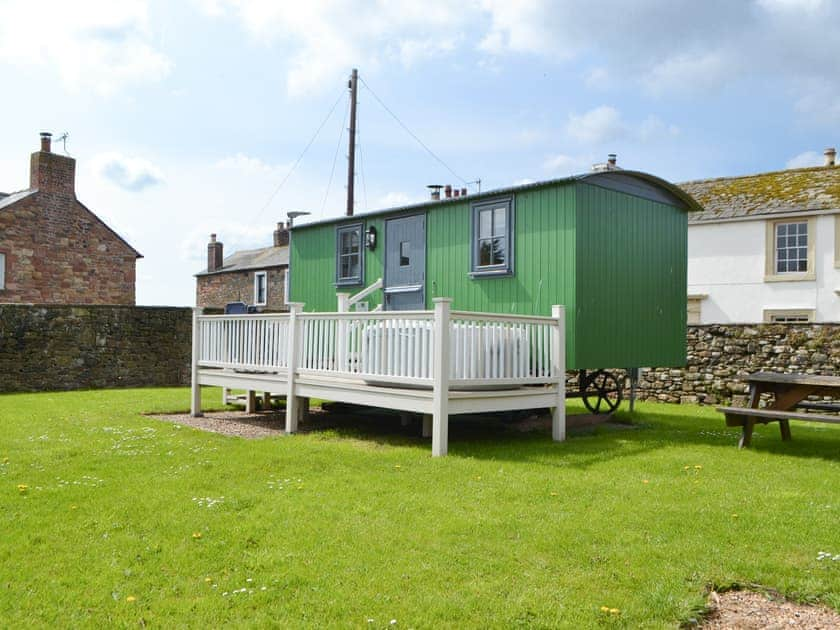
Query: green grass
337,527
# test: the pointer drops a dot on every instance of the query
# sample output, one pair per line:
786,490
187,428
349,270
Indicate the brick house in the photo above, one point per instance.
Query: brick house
53,249
258,277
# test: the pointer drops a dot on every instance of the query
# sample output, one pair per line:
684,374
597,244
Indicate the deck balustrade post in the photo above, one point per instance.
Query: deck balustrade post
341,350
195,399
440,362
292,403
558,360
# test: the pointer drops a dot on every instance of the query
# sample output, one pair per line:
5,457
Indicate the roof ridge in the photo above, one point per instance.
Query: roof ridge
802,169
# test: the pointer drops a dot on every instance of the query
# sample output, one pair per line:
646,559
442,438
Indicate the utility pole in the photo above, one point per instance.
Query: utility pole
351,162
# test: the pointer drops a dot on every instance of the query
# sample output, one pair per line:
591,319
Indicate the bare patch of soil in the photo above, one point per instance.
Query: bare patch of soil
748,610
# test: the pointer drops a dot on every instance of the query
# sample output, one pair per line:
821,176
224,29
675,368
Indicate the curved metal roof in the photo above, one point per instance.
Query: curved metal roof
688,203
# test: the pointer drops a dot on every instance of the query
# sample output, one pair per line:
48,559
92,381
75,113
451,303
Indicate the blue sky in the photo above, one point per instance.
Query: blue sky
185,116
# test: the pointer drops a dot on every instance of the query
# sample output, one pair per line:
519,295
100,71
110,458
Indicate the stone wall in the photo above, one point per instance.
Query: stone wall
217,289
49,347
719,353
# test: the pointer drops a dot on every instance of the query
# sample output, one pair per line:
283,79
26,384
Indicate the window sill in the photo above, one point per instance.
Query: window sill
349,283
493,273
791,277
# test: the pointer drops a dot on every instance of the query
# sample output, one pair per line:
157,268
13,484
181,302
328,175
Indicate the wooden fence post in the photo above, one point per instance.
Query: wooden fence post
292,402
195,404
558,360
440,394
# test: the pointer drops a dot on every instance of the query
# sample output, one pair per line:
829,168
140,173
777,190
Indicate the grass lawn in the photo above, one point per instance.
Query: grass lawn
124,520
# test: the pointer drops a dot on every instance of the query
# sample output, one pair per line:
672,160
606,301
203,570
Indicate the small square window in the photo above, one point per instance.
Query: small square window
405,259
349,254
492,238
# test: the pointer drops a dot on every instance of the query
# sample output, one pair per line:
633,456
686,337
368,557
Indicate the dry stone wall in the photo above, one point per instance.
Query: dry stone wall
719,354
50,347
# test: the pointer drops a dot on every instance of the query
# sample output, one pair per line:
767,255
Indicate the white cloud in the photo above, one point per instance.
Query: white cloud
396,199
598,125
605,124
97,44
808,158
247,164
129,173
562,164
325,38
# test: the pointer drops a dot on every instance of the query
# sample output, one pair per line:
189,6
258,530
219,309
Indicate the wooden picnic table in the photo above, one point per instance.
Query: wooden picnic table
789,391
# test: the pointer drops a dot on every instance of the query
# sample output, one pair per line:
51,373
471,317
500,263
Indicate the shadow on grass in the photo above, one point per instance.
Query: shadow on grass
651,427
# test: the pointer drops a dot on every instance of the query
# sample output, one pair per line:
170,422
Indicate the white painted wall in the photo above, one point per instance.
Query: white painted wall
726,261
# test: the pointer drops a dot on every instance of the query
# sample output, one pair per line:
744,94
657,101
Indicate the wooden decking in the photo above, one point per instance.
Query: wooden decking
437,363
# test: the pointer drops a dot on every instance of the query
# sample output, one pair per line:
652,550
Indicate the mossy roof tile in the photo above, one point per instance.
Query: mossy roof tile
794,190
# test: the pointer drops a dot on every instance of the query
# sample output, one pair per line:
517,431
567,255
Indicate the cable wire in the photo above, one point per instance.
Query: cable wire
300,157
361,164
335,158
403,125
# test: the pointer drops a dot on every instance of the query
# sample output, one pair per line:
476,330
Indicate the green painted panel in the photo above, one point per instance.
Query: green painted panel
631,281
312,261
544,258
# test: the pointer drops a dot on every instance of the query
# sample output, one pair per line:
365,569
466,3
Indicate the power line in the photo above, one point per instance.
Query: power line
335,158
300,157
362,170
411,133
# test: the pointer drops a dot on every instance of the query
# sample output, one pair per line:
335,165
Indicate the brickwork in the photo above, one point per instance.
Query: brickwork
56,250
59,347
216,290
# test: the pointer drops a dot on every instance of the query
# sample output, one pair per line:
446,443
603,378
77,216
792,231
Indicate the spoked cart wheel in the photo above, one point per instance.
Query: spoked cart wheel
601,391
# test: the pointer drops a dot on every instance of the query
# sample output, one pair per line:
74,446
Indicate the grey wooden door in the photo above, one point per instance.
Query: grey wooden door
405,263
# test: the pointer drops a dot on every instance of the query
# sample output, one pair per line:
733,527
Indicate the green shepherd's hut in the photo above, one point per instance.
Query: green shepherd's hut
609,245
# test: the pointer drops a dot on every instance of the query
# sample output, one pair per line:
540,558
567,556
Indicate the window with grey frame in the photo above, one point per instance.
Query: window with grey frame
492,237
349,259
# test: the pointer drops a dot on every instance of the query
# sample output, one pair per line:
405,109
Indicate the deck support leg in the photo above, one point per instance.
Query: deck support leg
440,393
746,433
225,395
784,426
427,425
250,401
558,413
266,401
293,403
195,397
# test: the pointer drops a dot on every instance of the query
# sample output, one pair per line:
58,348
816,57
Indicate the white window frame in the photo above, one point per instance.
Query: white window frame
771,274
286,286
257,276
788,315
2,271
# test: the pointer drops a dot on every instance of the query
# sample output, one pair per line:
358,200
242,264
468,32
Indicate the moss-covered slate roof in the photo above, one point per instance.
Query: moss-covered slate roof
793,190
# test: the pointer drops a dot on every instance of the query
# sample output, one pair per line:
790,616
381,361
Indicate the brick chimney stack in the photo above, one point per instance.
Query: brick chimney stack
281,235
215,254
52,173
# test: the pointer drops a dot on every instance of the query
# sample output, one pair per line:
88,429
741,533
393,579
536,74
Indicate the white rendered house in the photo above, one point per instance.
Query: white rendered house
766,248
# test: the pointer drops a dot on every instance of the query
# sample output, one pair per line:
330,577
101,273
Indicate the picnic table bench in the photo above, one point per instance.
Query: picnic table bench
790,392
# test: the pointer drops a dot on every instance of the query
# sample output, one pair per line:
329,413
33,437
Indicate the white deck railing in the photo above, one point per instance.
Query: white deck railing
389,347
441,350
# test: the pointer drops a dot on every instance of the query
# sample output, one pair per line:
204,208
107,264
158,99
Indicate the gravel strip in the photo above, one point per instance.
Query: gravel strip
747,610
235,423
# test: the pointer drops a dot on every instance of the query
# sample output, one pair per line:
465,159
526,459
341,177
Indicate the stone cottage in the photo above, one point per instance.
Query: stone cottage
257,277
766,248
53,249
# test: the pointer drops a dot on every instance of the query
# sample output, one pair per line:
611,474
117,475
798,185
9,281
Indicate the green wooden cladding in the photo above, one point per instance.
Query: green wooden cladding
616,261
